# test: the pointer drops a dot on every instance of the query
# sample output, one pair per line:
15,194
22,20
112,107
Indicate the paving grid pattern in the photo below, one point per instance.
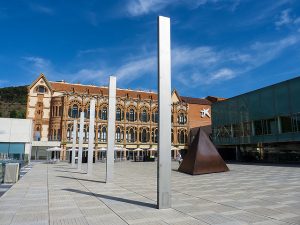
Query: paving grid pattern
56,194
5,187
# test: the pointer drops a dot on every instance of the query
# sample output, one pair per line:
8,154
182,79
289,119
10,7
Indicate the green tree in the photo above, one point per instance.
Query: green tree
13,114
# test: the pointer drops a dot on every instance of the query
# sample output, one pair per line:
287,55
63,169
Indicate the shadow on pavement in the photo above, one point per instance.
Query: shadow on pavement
74,178
66,171
134,202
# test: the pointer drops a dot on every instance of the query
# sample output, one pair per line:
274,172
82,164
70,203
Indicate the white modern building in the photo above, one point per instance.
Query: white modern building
15,138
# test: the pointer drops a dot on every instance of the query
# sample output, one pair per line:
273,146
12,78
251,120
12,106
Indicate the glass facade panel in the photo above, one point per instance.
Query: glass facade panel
286,124
267,115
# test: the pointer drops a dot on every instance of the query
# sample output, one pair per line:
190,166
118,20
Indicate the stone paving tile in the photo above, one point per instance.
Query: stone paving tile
213,218
59,194
31,218
105,220
69,221
6,217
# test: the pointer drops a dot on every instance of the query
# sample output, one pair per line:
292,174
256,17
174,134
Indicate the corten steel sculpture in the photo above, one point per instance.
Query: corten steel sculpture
202,157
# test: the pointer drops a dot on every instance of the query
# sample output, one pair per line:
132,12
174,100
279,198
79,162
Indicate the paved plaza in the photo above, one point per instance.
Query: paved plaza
56,194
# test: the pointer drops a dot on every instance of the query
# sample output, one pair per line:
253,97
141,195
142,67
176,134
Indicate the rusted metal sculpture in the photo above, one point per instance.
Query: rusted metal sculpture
202,157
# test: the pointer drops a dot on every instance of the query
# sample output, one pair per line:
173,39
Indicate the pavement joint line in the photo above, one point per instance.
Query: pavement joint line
158,209
48,194
99,199
12,219
220,203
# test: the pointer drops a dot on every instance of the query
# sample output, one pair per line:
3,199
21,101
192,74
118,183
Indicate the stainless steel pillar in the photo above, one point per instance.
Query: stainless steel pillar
111,129
91,137
164,107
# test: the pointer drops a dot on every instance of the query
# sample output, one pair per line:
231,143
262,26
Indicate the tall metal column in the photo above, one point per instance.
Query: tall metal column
111,129
74,142
80,140
91,137
164,108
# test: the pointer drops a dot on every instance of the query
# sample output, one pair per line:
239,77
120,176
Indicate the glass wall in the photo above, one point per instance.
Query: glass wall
267,115
12,151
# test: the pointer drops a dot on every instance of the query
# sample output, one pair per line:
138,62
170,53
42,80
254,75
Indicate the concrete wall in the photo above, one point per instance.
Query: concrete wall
15,130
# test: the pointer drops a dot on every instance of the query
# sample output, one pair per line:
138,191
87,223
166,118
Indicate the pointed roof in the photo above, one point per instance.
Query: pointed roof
176,96
41,76
202,157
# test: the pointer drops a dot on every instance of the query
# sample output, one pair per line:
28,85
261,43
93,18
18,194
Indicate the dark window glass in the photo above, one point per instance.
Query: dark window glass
131,135
258,129
247,129
286,124
118,134
131,116
144,116
103,134
75,111
181,137
181,118
155,117
41,89
118,114
144,136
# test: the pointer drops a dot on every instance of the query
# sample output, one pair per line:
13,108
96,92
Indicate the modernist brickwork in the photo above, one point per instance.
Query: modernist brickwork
53,106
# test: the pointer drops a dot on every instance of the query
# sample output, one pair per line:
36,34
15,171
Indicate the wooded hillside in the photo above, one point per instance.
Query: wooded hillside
13,102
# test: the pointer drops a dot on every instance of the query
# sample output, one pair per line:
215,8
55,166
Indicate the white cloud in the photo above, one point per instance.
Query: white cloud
203,55
191,66
37,64
222,74
217,65
287,18
143,7
89,51
136,68
284,18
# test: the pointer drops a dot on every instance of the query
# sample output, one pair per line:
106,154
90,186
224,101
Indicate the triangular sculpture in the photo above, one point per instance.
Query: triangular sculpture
202,157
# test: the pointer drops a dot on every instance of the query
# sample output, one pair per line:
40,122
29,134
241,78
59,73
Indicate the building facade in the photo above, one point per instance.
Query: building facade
15,139
262,125
53,107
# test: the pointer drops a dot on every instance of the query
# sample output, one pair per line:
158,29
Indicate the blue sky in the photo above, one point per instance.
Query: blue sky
221,48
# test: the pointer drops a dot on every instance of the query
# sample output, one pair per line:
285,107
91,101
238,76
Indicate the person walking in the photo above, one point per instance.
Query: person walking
179,158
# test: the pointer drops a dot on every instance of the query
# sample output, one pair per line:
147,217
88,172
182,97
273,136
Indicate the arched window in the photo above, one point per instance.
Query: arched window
144,116
69,132
155,135
87,112
74,113
155,116
119,135
131,115
85,133
119,114
144,135
99,133
103,134
172,135
103,113
41,89
182,118
182,137
131,135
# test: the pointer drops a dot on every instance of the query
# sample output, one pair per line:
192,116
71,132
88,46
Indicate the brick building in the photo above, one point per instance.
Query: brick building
53,106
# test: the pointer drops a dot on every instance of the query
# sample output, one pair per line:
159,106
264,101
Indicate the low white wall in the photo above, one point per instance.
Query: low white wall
15,130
